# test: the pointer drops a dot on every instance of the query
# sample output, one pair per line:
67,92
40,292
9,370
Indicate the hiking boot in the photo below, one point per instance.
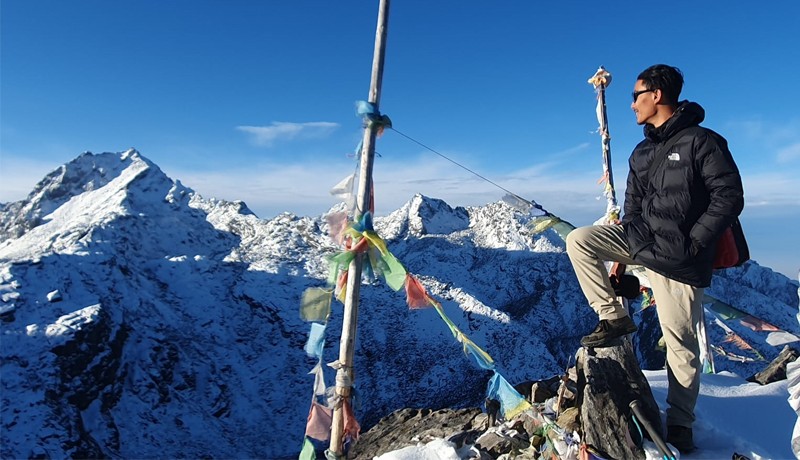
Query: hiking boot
681,438
607,330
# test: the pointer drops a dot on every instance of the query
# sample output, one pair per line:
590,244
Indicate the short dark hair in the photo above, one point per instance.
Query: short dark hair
666,78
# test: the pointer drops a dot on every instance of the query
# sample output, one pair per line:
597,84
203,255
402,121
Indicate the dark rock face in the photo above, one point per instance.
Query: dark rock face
474,434
408,427
608,380
89,366
777,368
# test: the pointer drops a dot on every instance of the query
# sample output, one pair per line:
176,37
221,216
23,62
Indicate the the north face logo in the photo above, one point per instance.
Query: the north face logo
674,156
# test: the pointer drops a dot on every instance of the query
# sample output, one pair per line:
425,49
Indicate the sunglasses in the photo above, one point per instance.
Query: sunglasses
636,94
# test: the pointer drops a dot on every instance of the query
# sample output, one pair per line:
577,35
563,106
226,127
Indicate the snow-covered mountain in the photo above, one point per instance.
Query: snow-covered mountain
140,319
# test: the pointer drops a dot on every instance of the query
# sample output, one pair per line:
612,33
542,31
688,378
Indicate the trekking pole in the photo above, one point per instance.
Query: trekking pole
638,414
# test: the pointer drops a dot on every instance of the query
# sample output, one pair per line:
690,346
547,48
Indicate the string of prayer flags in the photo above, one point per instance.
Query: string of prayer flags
511,402
757,325
316,341
542,223
316,306
481,357
740,343
723,310
732,356
359,238
600,80
380,260
417,297
777,337
734,338
521,204
385,264
498,389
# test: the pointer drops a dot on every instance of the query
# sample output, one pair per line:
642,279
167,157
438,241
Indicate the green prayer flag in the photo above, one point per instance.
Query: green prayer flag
316,304
396,276
722,309
308,452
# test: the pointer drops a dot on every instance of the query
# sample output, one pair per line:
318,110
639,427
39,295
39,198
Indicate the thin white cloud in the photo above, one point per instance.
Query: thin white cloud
270,189
789,154
265,136
304,188
573,150
777,140
776,189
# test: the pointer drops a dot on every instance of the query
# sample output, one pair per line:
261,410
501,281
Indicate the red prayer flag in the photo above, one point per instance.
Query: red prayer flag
415,293
318,425
351,426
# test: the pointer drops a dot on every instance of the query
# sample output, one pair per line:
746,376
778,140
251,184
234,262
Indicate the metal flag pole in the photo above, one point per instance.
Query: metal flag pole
345,373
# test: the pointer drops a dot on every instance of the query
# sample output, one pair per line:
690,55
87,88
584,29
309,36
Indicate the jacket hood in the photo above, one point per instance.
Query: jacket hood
686,114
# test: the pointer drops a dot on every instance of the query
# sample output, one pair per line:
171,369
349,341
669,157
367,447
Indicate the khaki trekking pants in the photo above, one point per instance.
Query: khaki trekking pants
679,310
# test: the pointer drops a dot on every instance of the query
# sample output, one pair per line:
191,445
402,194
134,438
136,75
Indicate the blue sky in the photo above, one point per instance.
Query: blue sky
254,100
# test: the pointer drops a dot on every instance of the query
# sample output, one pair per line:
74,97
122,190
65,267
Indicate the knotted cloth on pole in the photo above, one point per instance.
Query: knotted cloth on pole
600,80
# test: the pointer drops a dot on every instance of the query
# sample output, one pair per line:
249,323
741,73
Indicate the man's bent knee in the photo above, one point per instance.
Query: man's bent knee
577,238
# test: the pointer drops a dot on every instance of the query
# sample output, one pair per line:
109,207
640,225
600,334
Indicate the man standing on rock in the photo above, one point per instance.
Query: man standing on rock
683,191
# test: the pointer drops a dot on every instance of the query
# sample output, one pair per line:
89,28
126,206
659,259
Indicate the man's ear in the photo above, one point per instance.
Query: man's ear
658,96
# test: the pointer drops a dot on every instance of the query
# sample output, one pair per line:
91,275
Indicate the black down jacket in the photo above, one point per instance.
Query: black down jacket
673,219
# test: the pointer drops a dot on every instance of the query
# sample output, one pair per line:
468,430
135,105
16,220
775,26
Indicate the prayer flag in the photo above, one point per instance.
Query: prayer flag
308,452
337,222
318,425
511,402
416,297
316,304
344,189
757,325
316,340
351,426
319,379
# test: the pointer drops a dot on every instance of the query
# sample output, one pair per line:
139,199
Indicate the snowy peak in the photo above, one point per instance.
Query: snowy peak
500,225
86,194
495,226
88,172
426,216
434,216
